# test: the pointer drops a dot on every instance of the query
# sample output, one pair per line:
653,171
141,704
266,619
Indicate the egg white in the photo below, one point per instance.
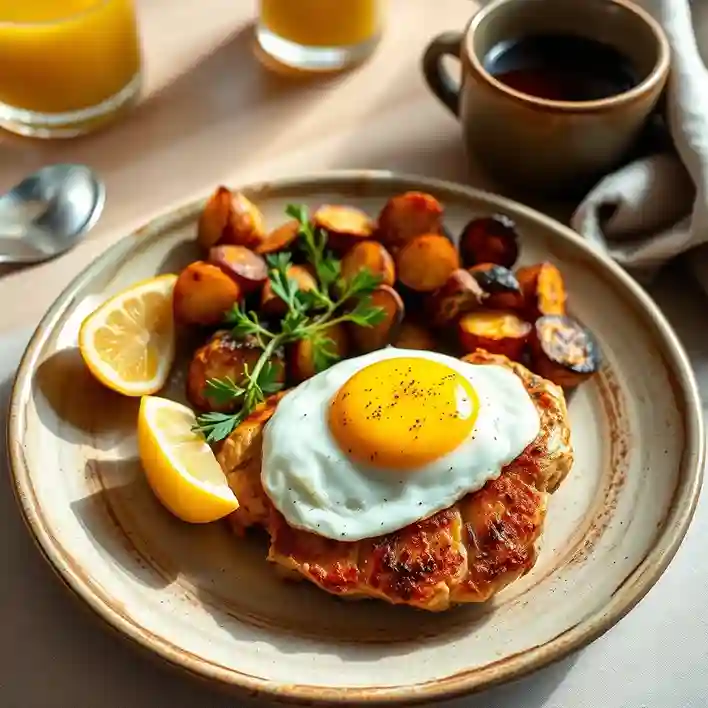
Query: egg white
316,487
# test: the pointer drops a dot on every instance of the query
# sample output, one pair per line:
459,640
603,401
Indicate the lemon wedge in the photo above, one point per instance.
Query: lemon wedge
180,467
128,343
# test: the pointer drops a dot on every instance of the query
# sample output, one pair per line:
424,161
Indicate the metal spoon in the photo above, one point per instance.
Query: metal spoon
48,213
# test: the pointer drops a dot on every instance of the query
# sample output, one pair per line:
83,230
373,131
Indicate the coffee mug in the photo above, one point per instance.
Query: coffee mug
542,144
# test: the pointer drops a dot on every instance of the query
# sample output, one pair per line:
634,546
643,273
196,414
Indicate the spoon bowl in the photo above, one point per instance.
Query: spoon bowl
48,213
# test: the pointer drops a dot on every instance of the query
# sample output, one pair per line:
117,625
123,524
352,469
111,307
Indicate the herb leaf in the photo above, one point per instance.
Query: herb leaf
324,351
217,426
223,391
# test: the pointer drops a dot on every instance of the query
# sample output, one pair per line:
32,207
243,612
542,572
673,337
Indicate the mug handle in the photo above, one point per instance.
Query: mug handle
436,76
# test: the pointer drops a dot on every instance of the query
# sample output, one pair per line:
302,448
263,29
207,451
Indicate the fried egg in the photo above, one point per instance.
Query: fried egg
381,441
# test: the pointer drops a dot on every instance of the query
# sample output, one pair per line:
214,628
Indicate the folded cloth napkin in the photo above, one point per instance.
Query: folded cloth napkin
656,208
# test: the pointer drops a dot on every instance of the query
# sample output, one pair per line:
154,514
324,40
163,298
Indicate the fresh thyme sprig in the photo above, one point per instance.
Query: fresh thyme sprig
310,313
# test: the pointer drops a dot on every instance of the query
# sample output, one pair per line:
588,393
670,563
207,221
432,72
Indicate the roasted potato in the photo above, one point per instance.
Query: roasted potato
426,262
372,256
230,218
248,269
413,335
544,290
203,293
496,331
461,293
563,350
345,226
300,355
279,239
491,239
271,304
367,339
220,358
406,216
501,286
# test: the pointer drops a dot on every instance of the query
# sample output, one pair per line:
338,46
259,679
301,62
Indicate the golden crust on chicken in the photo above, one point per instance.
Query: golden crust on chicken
465,553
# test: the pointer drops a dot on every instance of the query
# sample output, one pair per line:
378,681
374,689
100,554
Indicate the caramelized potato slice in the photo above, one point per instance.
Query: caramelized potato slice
243,265
230,218
371,256
367,339
409,215
426,262
220,358
203,293
461,293
345,226
271,304
544,290
279,239
502,288
563,350
491,239
214,218
412,335
496,331
300,356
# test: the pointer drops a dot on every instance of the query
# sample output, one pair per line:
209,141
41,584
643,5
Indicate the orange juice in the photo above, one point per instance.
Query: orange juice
61,56
322,23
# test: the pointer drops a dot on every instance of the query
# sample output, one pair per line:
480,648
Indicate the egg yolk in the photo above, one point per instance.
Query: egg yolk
403,412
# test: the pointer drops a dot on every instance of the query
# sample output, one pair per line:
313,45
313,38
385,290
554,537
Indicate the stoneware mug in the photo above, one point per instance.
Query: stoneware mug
543,145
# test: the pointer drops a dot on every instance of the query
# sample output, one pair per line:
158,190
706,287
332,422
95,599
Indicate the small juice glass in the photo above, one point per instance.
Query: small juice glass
320,35
70,65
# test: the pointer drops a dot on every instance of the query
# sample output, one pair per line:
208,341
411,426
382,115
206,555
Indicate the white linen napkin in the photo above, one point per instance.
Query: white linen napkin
658,205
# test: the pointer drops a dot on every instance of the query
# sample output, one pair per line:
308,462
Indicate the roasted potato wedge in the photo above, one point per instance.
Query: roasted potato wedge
248,269
426,262
496,331
271,304
345,226
461,293
413,335
406,216
230,218
491,239
279,239
203,293
372,256
563,350
501,286
223,357
300,356
367,339
544,290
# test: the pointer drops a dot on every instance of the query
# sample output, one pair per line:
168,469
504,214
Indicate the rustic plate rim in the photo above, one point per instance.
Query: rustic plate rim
633,589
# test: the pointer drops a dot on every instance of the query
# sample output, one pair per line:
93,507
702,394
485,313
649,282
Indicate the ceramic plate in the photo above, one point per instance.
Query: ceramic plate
209,603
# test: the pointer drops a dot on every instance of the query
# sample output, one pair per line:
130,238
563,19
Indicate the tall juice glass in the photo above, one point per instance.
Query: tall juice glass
69,66
320,34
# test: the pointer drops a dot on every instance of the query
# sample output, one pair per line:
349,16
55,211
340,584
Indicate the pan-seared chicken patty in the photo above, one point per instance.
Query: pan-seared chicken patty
465,553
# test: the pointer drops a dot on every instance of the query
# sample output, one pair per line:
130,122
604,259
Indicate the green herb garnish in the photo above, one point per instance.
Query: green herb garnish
309,315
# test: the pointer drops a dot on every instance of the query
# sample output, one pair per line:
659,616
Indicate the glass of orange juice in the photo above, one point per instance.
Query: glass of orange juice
319,35
69,66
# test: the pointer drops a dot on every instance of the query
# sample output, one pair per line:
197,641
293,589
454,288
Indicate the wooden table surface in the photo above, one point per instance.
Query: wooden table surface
212,114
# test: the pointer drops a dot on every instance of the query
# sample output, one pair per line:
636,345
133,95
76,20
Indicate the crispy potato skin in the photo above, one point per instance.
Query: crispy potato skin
413,335
543,289
203,293
279,239
368,339
248,269
426,262
498,332
214,217
345,226
466,553
563,350
300,354
222,357
229,217
461,293
372,256
500,285
491,239
406,216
